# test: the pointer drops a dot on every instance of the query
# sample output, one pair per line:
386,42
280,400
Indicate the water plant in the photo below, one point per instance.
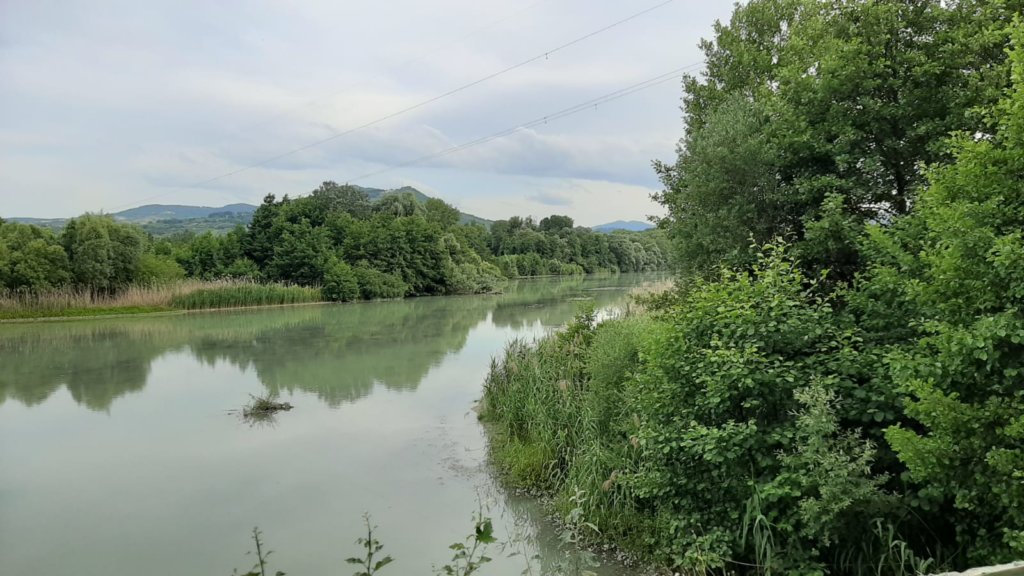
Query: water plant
371,561
262,557
469,555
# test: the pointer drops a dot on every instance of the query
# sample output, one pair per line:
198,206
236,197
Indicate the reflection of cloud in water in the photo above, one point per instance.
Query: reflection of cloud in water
336,352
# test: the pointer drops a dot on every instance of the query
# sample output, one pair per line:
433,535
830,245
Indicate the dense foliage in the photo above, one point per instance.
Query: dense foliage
337,237
837,385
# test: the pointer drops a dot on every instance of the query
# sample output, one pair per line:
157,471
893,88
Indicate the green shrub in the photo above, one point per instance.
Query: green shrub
374,284
507,266
155,269
340,284
243,268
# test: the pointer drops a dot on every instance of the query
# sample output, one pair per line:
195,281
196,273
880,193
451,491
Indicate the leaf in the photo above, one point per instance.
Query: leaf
382,563
485,532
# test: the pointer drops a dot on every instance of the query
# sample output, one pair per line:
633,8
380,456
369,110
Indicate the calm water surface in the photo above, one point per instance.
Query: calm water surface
118,454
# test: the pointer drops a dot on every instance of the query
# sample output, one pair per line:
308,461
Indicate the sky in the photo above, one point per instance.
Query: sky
107,105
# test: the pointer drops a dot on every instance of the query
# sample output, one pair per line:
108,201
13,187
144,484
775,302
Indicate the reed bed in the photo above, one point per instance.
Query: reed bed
189,294
556,415
243,295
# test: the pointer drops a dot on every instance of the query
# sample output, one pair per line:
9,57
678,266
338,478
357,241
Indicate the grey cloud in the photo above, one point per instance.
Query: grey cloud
114,103
550,198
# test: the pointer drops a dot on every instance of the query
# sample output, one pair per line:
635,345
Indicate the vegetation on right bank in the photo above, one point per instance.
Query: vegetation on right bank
837,384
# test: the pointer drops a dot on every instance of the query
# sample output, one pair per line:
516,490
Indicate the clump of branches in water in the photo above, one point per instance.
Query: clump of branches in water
261,410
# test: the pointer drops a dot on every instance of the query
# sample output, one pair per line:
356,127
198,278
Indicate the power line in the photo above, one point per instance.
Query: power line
404,64
649,83
433,99
413,107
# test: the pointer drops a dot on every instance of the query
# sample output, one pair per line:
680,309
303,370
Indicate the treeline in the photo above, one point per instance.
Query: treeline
553,246
837,385
335,238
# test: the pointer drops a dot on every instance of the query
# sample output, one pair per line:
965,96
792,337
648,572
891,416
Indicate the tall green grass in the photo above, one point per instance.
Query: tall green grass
243,295
192,294
557,422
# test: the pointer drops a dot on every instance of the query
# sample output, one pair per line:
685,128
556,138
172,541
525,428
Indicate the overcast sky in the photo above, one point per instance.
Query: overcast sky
106,105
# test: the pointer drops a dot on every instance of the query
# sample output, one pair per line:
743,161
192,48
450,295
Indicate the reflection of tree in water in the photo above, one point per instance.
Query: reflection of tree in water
530,302
34,364
335,352
348,349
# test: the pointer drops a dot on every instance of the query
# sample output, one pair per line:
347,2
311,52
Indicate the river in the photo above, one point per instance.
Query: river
120,452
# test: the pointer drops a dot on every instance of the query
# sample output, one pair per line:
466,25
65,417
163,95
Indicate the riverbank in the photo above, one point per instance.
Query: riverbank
183,296
744,425
554,410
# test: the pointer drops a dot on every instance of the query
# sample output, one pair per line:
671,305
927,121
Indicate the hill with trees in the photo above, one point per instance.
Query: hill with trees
337,239
168,219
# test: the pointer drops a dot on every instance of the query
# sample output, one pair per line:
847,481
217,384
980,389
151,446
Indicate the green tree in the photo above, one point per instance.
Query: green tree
104,254
555,223
31,258
331,197
961,270
155,269
399,205
301,254
723,193
441,213
340,284
828,98
258,244
718,403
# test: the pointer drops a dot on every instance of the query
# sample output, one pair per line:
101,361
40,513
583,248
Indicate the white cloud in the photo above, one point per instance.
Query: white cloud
119,103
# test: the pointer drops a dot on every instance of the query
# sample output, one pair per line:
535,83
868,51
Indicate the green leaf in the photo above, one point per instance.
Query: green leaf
382,563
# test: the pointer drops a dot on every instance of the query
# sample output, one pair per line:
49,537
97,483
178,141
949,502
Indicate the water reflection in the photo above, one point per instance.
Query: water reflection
156,465
339,353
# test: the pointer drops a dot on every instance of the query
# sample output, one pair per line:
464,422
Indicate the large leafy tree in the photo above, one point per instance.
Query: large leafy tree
332,197
724,194
301,255
104,254
258,244
841,97
31,258
959,266
441,213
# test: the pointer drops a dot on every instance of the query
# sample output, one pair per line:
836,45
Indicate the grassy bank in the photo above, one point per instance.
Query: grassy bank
738,428
184,295
555,410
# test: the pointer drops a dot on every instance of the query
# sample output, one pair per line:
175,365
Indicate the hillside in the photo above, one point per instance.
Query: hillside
166,219
631,225
153,212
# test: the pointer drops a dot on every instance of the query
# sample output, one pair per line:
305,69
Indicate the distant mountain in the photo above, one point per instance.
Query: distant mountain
631,225
159,212
165,219
51,223
152,212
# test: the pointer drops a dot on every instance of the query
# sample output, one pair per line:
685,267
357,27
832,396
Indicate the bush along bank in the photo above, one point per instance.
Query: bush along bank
752,425
849,401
